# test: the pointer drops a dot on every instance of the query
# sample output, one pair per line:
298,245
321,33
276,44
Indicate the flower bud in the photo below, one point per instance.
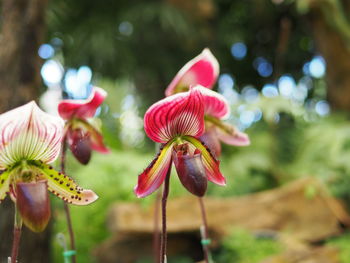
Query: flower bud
33,204
191,171
80,145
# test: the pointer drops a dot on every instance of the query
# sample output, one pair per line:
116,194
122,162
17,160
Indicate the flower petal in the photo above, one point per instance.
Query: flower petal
215,104
180,114
96,140
154,175
202,70
65,188
210,138
211,164
80,145
29,133
231,135
191,171
82,108
5,180
33,204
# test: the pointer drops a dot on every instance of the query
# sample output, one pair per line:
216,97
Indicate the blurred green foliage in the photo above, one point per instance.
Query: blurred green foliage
243,247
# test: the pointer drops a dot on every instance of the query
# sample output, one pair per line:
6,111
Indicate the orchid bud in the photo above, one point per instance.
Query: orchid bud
33,203
80,145
191,171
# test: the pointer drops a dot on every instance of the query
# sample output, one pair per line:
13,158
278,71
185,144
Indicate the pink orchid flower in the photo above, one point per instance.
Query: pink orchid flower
30,139
202,70
81,135
216,110
176,122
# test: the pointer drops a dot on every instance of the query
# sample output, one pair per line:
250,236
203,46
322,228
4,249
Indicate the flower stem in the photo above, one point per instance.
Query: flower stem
204,233
66,207
156,233
163,240
16,236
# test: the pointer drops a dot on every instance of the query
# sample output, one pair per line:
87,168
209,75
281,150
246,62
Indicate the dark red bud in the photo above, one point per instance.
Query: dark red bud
80,145
191,172
33,204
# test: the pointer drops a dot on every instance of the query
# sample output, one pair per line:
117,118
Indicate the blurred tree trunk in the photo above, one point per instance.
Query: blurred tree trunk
22,32
331,32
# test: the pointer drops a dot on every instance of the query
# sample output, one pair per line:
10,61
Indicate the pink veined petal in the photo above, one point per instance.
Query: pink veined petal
235,137
180,114
210,163
154,175
29,133
210,138
201,70
82,108
215,104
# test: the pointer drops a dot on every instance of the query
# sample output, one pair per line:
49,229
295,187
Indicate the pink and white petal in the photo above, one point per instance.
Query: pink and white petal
232,136
210,162
5,179
215,104
210,138
201,70
154,175
65,187
29,133
179,114
82,108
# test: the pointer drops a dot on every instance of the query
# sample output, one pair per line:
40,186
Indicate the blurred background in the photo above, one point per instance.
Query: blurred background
285,70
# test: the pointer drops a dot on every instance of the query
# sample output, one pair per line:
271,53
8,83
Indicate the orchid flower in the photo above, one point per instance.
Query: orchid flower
176,122
216,110
30,139
80,133
204,70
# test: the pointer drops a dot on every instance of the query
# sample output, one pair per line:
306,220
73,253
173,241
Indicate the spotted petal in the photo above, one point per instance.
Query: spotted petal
202,70
180,114
215,104
211,164
82,108
154,175
29,133
65,188
5,180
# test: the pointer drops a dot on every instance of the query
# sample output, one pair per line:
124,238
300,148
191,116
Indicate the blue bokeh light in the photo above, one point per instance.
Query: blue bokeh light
46,51
263,67
126,28
317,67
322,108
269,90
52,72
239,50
286,85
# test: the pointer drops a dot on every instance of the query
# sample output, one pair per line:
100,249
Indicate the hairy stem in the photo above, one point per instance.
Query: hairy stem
16,236
163,240
204,233
66,207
